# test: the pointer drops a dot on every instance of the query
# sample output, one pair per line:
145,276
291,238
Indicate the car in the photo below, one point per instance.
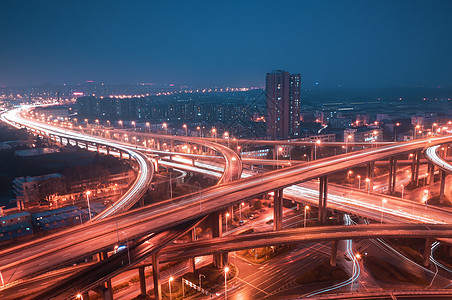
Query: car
251,216
241,223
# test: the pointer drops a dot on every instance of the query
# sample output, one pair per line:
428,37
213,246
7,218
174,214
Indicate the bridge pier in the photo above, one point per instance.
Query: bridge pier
442,186
156,277
86,145
108,150
107,291
370,175
418,158
216,232
277,209
333,254
192,237
97,147
427,251
142,277
431,174
76,143
323,198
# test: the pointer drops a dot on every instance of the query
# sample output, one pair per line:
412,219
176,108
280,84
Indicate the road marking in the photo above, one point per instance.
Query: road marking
254,286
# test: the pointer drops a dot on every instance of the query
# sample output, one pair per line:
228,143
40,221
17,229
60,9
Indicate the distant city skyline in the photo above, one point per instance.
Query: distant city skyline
230,43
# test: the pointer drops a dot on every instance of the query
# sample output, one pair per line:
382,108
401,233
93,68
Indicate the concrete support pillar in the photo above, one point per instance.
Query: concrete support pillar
142,277
192,237
85,295
98,148
172,146
225,257
333,254
418,158
312,153
120,154
323,198
427,251
156,277
86,145
277,210
413,168
431,174
108,291
391,162
442,186
76,143
216,232
370,175
61,140
108,150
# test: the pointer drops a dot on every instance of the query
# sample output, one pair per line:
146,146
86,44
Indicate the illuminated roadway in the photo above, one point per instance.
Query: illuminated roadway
36,256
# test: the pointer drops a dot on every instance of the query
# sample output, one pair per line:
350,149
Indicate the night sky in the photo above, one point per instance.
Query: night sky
226,43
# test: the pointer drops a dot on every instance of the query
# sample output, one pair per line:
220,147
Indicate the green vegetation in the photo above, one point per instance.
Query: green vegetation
261,255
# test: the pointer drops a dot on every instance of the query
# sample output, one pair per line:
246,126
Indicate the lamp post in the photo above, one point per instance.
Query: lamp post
169,284
226,135
128,251
395,131
356,257
87,193
214,132
349,173
306,207
227,216
226,270
382,207
199,131
307,157
133,124
148,125
186,129
277,156
403,187
79,296
346,142
315,148
240,209
199,279
121,123
359,182
164,125
368,185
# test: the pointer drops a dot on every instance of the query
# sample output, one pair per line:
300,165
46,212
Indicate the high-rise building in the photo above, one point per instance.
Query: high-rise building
283,104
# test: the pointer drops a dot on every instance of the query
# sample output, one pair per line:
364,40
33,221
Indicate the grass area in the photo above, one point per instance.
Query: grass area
212,281
410,247
435,201
261,255
322,273
388,272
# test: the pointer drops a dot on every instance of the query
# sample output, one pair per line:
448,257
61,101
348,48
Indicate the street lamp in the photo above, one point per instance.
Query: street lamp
121,123
199,131
226,270
277,157
199,279
315,148
148,125
349,173
87,193
403,187
306,207
226,135
395,131
227,216
382,207
356,257
79,296
186,129
346,142
128,251
164,125
307,157
368,185
240,209
214,132
359,182
169,283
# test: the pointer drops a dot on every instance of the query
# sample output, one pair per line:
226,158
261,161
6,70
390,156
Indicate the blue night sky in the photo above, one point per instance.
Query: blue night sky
226,43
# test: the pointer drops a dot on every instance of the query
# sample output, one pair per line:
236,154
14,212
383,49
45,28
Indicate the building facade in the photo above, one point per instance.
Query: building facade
283,104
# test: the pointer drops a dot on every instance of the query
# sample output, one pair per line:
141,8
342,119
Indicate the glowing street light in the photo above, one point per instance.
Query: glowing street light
346,142
214,132
169,284
368,185
349,173
226,135
359,182
240,209
199,131
164,125
306,208
186,129
227,216
226,270
87,193
315,148
356,258
121,123
277,156
79,296
148,125
133,124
